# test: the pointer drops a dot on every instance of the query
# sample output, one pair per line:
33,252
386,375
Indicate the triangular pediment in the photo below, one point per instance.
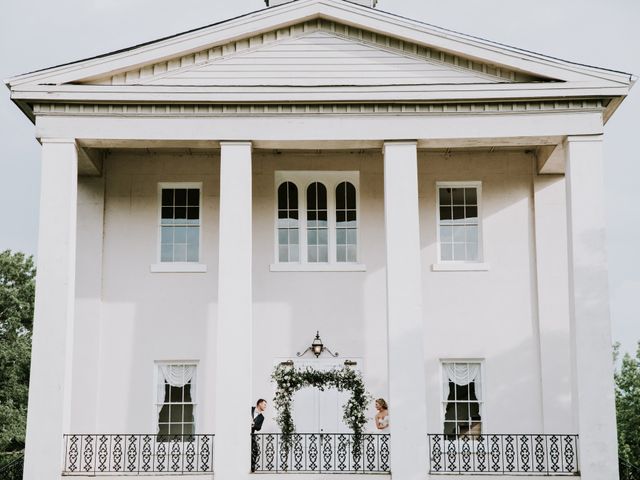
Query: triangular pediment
317,53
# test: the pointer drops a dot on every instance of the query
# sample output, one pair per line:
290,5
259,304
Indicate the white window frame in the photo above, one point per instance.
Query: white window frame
483,382
461,265
156,379
302,180
177,267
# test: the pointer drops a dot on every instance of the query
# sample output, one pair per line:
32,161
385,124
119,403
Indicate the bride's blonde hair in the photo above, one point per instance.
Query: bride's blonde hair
382,403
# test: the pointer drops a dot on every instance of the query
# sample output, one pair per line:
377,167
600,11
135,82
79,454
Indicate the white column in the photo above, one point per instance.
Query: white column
589,304
407,383
552,274
234,345
52,347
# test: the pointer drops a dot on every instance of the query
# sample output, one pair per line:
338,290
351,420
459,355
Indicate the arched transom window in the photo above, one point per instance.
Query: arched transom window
317,218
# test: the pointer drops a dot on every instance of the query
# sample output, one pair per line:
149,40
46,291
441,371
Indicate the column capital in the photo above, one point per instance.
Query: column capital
236,143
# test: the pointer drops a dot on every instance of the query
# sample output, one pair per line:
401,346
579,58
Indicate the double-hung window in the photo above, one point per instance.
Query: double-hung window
317,218
462,397
180,224
459,222
176,399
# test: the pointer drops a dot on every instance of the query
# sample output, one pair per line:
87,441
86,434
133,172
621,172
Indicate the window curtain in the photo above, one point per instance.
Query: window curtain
463,374
176,376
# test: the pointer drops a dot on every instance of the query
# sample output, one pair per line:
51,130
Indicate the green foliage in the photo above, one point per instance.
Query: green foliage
628,415
17,292
289,380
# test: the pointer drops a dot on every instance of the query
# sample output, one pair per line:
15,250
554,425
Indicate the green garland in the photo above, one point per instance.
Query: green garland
289,380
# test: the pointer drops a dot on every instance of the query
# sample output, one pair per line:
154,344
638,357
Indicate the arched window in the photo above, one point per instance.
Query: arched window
346,223
288,227
317,224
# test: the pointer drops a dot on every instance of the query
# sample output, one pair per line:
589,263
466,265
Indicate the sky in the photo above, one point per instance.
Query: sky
40,33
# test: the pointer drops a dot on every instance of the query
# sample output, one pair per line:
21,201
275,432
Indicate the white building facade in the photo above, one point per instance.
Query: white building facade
429,203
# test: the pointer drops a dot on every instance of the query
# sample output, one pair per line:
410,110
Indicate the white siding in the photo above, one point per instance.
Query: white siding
321,58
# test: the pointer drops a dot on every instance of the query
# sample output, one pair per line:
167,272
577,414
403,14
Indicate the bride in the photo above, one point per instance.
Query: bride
382,417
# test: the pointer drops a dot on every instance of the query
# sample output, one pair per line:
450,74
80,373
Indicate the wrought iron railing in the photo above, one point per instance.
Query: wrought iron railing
137,454
11,469
321,453
507,454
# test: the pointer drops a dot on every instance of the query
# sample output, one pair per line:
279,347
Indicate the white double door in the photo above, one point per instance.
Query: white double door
316,411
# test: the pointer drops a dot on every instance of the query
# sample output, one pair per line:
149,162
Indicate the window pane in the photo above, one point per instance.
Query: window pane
352,253
293,237
282,196
459,233
323,238
180,235
472,213
283,236
193,197
459,251
193,253
445,196
176,413
283,253
352,236
472,234
445,213
180,197
351,196
472,252
180,253
294,251
471,196
341,196
312,254
167,197
193,236
193,213
323,254
188,414
175,394
458,213
341,253
166,235
180,213
167,213
341,216
312,237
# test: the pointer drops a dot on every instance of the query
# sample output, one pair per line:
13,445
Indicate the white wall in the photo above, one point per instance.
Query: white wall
145,317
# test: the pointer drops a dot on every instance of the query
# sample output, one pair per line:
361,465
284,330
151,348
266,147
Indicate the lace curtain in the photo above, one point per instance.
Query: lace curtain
463,374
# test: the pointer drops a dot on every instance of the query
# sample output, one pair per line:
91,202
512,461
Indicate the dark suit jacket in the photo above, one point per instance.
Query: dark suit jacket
256,426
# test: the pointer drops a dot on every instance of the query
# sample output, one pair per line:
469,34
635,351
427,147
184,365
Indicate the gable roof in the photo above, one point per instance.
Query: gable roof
428,63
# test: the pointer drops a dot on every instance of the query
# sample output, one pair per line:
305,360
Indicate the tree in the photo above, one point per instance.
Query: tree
17,293
628,415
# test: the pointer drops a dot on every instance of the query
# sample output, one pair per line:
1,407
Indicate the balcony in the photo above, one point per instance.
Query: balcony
322,453
128,454
504,454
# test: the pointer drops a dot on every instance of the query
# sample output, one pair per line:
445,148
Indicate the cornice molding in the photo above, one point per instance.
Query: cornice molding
339,109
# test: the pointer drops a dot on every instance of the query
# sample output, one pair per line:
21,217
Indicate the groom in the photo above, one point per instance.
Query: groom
257,419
